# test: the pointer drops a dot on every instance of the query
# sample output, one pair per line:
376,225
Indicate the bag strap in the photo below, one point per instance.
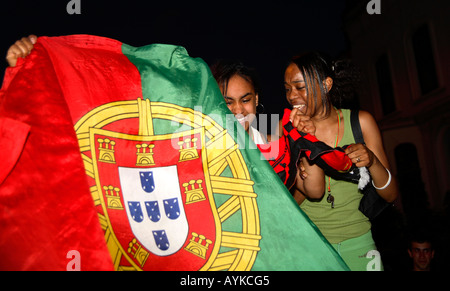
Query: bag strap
356,127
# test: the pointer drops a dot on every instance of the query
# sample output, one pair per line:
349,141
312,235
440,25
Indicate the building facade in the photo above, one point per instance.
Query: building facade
403,50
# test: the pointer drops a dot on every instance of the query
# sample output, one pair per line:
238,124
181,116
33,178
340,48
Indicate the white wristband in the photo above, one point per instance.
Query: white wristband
387,183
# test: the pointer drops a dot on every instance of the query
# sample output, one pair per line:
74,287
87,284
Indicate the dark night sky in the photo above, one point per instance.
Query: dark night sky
263,34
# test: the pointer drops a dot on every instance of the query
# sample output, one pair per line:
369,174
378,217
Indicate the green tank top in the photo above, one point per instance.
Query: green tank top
344,221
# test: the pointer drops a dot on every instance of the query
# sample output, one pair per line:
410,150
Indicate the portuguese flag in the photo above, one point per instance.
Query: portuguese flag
123,158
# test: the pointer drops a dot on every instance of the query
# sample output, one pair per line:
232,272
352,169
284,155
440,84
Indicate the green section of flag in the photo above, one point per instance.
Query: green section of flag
289,240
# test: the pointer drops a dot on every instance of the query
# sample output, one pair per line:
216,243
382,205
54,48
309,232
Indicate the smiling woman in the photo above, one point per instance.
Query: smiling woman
303,91
242,100
240,88
318,88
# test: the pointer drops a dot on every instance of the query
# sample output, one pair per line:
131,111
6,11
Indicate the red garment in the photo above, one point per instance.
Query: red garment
283,154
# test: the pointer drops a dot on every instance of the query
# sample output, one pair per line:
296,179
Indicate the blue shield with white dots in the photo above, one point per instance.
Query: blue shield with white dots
135,211
172,208
153,212
147,181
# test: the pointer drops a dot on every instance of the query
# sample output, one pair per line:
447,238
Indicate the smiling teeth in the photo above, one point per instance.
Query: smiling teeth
242,119
300,106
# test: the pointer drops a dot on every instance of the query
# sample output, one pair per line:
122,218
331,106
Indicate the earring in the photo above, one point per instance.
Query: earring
260,108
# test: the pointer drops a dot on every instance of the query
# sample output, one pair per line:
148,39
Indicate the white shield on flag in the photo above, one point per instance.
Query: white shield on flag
157,217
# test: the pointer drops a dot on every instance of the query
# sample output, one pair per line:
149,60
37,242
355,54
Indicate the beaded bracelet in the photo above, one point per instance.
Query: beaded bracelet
387,183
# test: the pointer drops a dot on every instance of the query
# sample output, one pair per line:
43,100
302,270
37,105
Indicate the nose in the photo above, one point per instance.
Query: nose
237,109
422,253
291,97
291,94
294,94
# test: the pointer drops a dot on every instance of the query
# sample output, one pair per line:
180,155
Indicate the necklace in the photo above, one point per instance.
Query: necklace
330,198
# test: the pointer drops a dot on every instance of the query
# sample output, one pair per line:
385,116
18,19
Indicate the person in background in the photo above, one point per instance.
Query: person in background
316,87
421,252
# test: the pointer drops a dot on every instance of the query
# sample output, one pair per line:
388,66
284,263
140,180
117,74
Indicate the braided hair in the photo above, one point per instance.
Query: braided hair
316,68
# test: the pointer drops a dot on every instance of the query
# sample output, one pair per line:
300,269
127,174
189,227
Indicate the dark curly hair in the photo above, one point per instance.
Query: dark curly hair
316,67
224,70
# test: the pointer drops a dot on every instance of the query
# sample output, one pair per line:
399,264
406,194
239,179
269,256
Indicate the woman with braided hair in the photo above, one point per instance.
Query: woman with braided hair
317,87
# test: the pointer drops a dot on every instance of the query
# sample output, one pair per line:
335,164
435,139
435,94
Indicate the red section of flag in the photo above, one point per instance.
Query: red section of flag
46,208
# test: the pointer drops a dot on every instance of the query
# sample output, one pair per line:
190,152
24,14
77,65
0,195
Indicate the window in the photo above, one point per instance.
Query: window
444,152
409,177
425,63
385,86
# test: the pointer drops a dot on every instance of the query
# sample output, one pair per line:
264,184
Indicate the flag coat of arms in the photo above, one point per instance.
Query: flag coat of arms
131,157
